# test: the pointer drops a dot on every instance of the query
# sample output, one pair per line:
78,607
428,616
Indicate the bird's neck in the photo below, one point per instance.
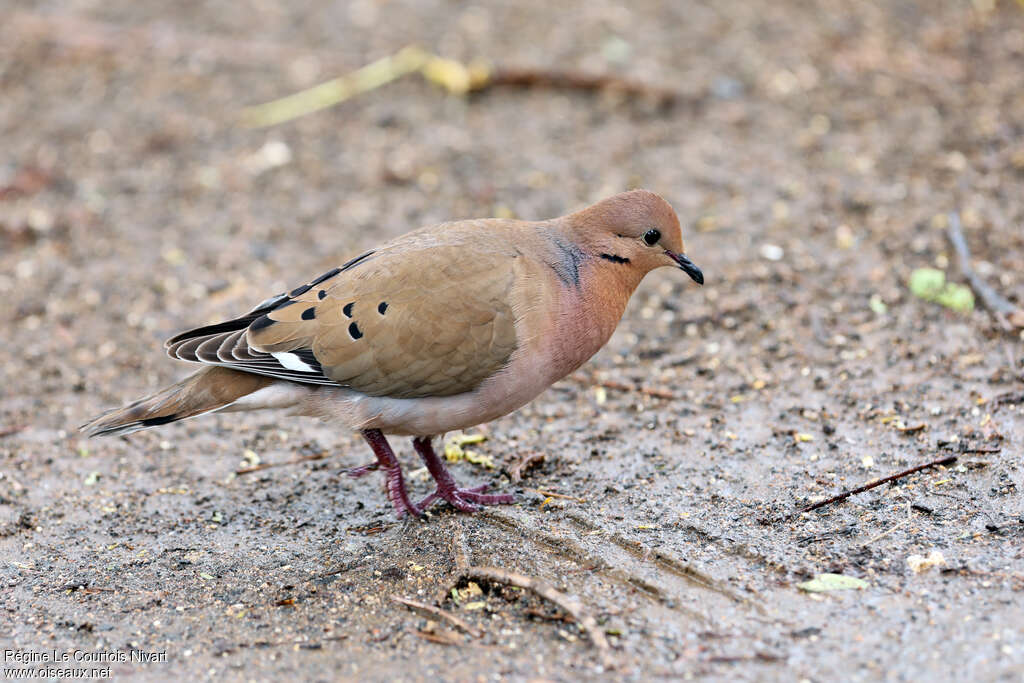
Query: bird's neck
591,300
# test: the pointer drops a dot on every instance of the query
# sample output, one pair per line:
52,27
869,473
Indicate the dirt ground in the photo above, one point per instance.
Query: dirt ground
813,158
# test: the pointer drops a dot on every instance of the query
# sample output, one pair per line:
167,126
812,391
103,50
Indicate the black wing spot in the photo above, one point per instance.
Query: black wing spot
382,306
299,291
354,331
322,294
261,323
614,258
347,309
326,276
309,313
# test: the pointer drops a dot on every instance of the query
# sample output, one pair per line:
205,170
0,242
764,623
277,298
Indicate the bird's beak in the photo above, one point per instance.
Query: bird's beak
688,266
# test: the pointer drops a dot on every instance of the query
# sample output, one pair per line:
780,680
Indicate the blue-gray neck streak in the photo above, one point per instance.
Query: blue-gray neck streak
565,259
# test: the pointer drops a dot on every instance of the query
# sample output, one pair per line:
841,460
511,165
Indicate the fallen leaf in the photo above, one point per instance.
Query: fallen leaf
823,583
919,563
930,284
927,282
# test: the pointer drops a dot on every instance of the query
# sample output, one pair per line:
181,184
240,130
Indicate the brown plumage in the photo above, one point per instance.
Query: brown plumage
441,329
201,392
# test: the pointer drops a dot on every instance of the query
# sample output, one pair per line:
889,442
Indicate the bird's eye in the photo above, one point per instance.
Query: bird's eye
651,237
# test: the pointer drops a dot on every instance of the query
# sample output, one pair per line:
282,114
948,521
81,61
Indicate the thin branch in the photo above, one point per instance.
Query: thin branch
304,644
577,80
443,638
569,605
529,461
948,460
909,518
455,77
552,494
439,614
993,300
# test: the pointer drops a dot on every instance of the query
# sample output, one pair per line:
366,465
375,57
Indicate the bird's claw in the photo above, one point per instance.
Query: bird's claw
356,472
467,500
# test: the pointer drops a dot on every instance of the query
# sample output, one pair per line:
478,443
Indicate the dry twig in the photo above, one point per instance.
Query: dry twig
302,644
529,461
439,614
569,605
993,300
576,80
443,637
552,494
893,528
455,77
948,460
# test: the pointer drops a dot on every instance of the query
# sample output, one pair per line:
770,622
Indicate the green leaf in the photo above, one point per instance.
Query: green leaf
823,583
957,297
930,284
927,282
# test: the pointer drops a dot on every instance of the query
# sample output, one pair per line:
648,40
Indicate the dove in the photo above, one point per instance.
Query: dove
444,328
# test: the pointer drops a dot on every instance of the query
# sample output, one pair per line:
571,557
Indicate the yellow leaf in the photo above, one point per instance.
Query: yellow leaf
478,459
823,583
451,75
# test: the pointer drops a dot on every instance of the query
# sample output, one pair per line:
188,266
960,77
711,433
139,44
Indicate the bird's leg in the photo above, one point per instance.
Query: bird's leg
396,482
467,500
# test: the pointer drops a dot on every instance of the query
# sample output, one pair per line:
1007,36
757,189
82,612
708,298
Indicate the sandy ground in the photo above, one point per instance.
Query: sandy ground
816,152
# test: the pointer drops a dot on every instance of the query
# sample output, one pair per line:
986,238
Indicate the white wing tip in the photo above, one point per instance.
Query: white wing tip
291,361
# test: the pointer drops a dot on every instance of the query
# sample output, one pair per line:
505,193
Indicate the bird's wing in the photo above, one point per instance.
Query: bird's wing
431,319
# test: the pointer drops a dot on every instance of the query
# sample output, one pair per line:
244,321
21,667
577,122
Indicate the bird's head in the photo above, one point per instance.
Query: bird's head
636,229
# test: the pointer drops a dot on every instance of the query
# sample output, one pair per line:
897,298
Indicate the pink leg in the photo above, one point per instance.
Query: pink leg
396,482
467,500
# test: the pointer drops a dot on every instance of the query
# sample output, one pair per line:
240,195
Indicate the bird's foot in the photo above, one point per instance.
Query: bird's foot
399,496
467,500
356,472
387,461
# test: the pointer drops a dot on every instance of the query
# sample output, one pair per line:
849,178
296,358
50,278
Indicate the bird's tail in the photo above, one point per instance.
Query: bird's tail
212,388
